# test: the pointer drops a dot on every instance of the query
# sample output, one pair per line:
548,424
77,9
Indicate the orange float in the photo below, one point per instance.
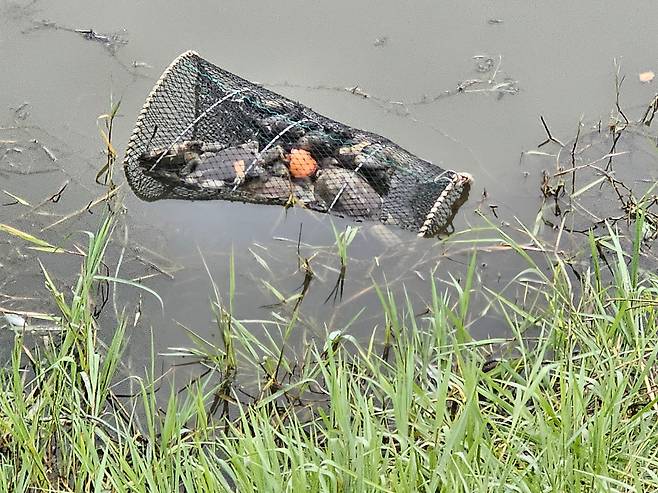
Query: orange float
301,164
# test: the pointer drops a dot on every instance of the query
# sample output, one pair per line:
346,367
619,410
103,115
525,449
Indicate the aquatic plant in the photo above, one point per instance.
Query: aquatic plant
566,403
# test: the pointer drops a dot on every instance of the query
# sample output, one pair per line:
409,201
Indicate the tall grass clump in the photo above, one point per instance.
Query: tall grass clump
567,404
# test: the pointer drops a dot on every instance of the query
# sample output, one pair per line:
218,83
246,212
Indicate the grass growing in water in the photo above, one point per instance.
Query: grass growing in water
574,408
343,241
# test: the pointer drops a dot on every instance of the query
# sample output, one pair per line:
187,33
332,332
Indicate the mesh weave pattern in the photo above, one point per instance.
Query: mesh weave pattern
205,133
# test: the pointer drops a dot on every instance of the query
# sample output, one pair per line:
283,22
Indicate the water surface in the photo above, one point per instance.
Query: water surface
559,56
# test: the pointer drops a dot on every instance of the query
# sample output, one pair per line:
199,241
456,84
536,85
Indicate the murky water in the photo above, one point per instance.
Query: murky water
560,57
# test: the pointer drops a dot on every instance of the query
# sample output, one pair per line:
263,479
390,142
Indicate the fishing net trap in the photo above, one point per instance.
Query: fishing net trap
205,133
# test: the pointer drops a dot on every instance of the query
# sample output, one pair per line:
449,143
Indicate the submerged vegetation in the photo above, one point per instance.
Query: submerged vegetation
568,404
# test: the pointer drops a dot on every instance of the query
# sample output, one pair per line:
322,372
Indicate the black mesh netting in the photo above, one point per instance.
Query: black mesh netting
205,133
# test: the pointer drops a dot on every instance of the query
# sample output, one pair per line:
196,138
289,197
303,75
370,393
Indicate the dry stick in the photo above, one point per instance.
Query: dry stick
138,247
385,103
650,112
48,152
155,266
580,206
22,172
58,195
618,84
573,157
495,72
196,120
37,315
91,204
613,127
53,198
614,182
588,165
550,137
611,153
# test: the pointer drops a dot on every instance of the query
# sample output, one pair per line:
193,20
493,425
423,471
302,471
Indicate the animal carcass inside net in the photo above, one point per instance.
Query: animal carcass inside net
205,133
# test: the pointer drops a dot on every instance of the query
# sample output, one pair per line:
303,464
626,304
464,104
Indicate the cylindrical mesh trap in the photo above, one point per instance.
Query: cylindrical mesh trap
205,133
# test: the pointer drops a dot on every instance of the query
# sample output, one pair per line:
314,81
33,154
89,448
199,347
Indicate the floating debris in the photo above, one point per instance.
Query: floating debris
21,113
647,76
48,152
357,91
17,199
484,63
15,320
111,41
137,64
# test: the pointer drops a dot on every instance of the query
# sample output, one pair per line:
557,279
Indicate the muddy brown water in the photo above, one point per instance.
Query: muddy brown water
552,59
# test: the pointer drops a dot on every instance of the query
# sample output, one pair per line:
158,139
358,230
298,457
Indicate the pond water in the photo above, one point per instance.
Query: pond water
523,59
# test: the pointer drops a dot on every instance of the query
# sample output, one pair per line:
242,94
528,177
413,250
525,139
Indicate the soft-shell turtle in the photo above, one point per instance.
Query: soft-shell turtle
347,154
274,187
304,191
230,166
365,155
172,158
166,161
347,192
278,188
278,168
320,144
275,124
373,157
209,165
329,162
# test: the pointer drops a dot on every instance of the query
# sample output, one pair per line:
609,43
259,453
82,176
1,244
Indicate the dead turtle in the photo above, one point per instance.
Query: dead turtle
345,191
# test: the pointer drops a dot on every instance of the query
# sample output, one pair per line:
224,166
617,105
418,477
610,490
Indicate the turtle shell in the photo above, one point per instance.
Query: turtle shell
304,191
170,158
319,144
226,167
347,192
275,124
274,187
